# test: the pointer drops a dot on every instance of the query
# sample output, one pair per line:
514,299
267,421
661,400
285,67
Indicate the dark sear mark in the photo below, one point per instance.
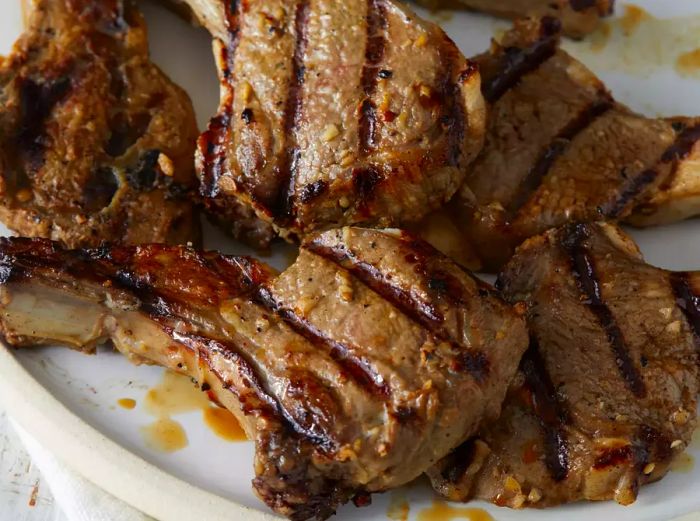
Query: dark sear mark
517,62
550,411
144,176
613,457
37,102
365,181
356,368
688,301
424,314
374,54
583,269
212,145
125,133
681,148
676,152
555,149
282,204
100,189
313,191
630,190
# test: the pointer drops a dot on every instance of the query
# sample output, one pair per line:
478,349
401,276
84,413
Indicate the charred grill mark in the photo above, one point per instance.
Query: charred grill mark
584,272
550,411
455,113
37,102
679,150
458,461
282,206
356,368
555,149
474,361
374,54
688,301
313,191
517,62
613,457
365,181
268,405
630,190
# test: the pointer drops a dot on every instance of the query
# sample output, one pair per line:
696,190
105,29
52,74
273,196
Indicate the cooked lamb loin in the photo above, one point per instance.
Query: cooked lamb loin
578,17
606,395
353,371
335,113
96,143
559,149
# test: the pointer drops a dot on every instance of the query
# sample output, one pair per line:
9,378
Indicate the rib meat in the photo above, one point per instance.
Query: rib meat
606,394
323,121
96,143
560,149
353,371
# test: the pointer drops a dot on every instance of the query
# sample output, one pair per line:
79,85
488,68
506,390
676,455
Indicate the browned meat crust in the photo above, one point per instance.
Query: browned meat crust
353,371
322,120
96,144
606,395
560,149
578,17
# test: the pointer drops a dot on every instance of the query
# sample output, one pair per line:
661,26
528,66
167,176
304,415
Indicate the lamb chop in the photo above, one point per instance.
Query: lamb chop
606,394
323,121
560,149
353,371
96,143
578,17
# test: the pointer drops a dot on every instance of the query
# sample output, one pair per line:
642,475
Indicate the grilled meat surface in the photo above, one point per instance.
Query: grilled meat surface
560,149
96,143
578,17
324,121
353,371
606,394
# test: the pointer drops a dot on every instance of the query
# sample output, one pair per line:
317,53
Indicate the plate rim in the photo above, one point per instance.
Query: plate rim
103,461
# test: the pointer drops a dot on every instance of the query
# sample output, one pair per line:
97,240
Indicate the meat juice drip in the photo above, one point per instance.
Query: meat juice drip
177,394
165,435
224,424
399,507
441,511
126,403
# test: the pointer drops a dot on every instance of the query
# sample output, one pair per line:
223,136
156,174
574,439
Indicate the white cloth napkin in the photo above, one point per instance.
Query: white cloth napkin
79,499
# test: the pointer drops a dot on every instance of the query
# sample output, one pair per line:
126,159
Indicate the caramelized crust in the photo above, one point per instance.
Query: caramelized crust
322,120
96,144
353,371
560,149
606,396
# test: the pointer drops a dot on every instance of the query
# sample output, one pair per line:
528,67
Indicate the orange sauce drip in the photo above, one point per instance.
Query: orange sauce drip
531,452
398,507
178,394
632,18
441,511
688,63
165,435
126,403
224,424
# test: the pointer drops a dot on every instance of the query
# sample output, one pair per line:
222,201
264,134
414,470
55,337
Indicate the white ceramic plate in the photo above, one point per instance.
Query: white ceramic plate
68,400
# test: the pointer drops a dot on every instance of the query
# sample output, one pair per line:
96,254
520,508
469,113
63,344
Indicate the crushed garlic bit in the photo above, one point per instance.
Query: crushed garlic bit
344,202
676,444
330,133
649,468
674,327
534,496
166,165
421,40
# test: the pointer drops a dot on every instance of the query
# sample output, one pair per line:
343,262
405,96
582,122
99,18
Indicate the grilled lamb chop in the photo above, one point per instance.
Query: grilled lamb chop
96,143
335,113
353,371
606,395
578,17
559,149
